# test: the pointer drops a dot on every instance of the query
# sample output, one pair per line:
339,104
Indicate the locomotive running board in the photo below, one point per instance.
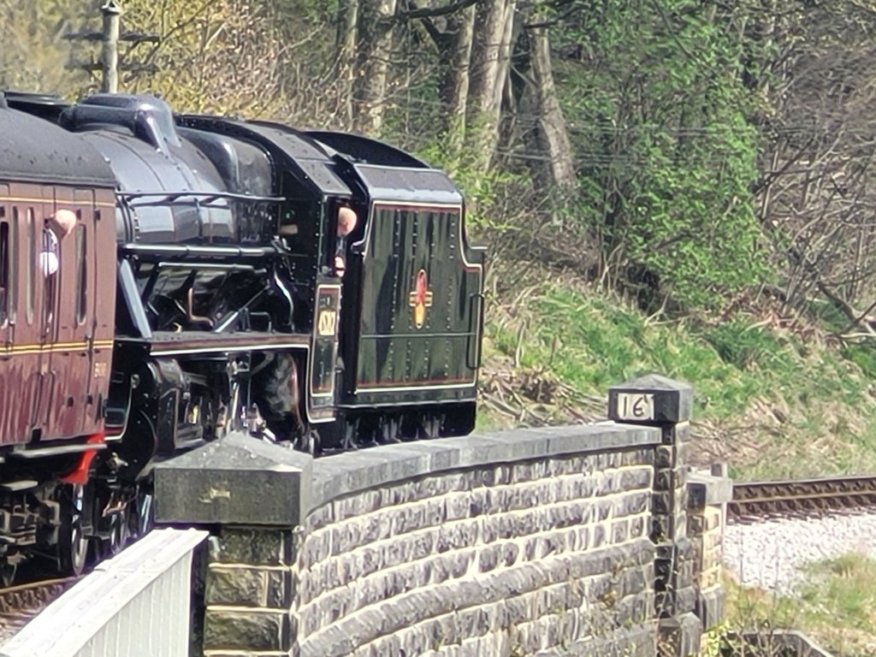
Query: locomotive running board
185,343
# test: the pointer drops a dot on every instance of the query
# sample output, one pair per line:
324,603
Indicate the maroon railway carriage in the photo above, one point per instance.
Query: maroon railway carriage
57,309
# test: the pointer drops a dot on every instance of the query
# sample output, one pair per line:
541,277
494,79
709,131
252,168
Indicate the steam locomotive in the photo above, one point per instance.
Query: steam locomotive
166,278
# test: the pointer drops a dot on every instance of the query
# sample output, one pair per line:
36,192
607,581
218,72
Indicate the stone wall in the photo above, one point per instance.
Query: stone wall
560,541
709,493
249,592
499,559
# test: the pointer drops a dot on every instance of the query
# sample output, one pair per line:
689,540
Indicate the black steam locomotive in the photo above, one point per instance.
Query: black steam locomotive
167,278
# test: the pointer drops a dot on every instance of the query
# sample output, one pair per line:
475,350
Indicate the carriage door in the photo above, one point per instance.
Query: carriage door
28,326
20,365
65,316
84,279
45,275
15,375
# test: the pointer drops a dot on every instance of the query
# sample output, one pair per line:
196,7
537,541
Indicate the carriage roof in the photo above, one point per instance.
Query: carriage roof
33,149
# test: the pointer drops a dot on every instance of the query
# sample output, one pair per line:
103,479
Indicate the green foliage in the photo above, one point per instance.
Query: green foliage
864,356
667,154
713,641
213,56
742,345
835,604
840,598
594,342
35,55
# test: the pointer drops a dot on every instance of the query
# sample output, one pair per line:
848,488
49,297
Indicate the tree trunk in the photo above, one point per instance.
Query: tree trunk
374,46
348,15
553,136
460,29
489,71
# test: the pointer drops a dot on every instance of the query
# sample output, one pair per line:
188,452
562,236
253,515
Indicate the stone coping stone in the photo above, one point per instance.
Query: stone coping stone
241,480
705,489
351,472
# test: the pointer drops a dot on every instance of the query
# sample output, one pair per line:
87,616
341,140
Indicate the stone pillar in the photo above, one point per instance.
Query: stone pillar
660,402
252,496
708,494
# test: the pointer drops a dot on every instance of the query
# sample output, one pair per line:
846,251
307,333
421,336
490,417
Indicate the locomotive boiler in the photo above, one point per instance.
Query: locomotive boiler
167,278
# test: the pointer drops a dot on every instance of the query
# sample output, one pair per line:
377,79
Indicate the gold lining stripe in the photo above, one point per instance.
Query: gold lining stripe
417,388
19,350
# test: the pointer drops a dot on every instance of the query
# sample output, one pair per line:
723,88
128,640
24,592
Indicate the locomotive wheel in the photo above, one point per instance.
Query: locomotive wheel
115,537
141,515
72,542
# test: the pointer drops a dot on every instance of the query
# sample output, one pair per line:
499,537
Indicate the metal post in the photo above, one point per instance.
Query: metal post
110,54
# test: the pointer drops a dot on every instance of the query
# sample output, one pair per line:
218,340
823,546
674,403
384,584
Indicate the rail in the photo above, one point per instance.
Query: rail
806,497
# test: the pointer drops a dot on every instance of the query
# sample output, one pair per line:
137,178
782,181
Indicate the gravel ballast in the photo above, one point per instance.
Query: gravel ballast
771,555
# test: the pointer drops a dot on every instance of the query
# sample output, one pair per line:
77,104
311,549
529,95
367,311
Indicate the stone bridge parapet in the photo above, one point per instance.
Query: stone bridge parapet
554,541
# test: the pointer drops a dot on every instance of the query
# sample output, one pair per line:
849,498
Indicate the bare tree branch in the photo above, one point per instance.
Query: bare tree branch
416,12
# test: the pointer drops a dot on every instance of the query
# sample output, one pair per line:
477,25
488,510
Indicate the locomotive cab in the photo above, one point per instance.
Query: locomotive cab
305,234
413,299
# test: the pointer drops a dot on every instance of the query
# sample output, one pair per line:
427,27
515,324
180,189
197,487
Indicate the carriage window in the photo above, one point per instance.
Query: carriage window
4,272
29,263
24,261
81,275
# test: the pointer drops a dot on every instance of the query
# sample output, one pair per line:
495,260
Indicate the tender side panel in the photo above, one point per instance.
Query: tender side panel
419,301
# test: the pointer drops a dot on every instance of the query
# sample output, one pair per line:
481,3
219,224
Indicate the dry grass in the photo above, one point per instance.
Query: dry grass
527,397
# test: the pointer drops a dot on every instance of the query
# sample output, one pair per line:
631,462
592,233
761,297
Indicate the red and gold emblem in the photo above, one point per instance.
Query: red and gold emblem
420,299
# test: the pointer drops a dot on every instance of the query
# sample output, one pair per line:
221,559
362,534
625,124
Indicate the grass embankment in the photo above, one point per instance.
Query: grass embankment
771,401
836,606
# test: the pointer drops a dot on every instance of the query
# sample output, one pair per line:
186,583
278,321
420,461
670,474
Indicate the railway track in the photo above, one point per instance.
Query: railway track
800,498
20,603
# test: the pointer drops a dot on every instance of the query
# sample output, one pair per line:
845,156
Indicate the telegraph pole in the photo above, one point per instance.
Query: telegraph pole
109,38
112,14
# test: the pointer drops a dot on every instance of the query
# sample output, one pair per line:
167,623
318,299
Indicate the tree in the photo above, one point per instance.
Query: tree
665,151
35,54
373,51
489,65
817,186
554,165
